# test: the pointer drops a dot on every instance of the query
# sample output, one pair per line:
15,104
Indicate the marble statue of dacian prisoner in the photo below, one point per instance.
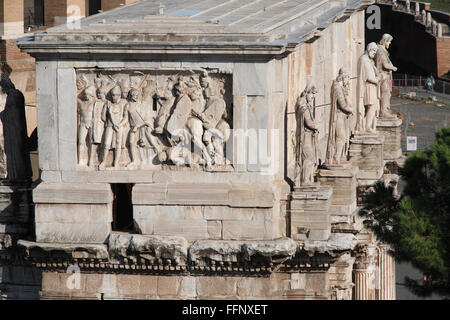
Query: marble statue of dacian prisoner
385,68
341,110
115,116
306,138
367,90
18,163
86,104
141,127
98,126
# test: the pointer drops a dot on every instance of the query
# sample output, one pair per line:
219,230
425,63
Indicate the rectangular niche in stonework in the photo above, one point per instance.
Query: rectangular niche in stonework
159,119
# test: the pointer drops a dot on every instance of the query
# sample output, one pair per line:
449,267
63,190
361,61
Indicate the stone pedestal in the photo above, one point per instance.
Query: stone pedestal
366,152
73,213
309,212
390,128
342,178
16,209
386,268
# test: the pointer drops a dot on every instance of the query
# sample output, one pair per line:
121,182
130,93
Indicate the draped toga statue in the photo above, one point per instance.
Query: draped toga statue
18,164
339,132
306,138
385,68
368,92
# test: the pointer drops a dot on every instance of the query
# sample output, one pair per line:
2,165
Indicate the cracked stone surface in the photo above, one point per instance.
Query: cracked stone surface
336,242
96,251
215,250
282,247
166,247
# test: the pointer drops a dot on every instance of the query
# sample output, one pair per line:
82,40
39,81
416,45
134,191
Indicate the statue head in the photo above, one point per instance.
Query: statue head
6,85
179,88
372,49
116,94
133,95
194,89
5,70
89,93
344,77
81,82
98,82
386,40
101,93
309,93
204,80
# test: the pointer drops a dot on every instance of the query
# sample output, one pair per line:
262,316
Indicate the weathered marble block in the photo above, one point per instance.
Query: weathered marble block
206,210
208,222
309,213
71,213
233,195
366,152
344,183
391,130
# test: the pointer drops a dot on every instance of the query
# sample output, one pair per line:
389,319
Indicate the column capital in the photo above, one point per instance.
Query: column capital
366,257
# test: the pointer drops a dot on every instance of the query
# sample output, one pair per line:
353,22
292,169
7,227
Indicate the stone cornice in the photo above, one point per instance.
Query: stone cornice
137,48
137,254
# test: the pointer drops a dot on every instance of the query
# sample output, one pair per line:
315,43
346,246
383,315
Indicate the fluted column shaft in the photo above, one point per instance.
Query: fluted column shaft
386,274
364,288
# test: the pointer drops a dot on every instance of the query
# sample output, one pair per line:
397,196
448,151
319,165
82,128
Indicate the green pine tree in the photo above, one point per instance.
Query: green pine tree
417,223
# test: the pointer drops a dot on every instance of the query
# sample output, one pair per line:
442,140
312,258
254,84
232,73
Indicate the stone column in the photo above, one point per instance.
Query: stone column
386,274
11,19
364,273
364,288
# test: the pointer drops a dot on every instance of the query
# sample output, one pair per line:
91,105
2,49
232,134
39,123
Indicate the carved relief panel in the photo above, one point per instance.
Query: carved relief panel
141,120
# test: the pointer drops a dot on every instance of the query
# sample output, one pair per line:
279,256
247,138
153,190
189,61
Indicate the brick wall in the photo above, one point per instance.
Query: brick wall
62,8
9,51
11,19
11,11
111,4
443,55
54,8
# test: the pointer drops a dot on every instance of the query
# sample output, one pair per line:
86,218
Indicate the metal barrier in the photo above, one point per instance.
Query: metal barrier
401,81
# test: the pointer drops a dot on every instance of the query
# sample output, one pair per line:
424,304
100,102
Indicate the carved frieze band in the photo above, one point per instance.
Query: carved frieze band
140,120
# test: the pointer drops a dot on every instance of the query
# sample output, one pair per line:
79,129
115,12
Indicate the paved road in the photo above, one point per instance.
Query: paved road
426,120
421,120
